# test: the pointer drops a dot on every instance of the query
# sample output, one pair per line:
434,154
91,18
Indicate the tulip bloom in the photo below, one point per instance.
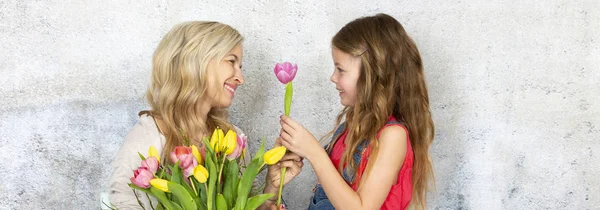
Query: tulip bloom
196,154
229,142
160,184
216,138
274,155
240,148
201,174
151,163
152,152
141,177
285,72
186,159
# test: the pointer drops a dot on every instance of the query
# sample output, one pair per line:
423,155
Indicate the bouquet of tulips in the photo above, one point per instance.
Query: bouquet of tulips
213,182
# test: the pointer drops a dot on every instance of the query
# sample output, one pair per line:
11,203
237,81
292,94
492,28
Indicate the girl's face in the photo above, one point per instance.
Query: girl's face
227,74
345,75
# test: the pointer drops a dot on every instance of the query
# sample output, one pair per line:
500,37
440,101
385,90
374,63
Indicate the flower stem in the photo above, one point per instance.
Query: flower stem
287,103
193,186
221,172
281,181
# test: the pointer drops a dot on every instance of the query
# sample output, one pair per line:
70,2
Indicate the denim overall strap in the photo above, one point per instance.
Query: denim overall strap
338,131
319,200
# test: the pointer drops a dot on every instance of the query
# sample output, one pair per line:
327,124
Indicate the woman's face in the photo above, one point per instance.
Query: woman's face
224,77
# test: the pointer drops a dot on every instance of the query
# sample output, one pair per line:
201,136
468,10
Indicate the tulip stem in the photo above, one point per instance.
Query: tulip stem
193,186
287,103
221,172
281,181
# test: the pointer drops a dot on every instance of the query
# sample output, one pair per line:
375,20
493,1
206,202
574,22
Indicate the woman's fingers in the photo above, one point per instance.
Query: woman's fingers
291,156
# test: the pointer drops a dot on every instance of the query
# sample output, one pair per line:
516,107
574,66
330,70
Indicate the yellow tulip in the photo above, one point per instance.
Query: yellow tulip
152,152
229,142
160,184
196,154
274,155
200,173
216,138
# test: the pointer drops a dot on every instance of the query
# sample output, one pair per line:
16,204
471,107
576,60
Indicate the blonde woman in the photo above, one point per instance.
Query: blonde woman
196,70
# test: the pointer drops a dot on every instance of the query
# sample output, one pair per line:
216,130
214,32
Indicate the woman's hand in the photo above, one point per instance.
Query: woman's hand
298,139
291,161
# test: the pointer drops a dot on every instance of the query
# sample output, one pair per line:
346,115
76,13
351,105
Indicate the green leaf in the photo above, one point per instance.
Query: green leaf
176,175
221,203
231,182
162,198
261,151
287,103
212,179
203,192
159,206
201,205
245,184
141,156
256,201
146,190
209,149
185,199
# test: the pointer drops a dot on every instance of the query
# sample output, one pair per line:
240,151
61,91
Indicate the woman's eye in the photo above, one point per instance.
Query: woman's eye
232,61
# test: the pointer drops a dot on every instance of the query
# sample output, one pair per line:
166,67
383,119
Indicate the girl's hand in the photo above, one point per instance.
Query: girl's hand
297,139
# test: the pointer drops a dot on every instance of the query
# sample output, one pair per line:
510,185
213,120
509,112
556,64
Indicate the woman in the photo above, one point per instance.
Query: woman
195,73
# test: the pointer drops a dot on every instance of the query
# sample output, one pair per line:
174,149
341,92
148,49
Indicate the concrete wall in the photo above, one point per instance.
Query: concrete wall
513,87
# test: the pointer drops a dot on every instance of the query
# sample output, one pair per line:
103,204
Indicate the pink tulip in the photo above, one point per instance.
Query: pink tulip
241,145
186,159
151,163
285,72
141,177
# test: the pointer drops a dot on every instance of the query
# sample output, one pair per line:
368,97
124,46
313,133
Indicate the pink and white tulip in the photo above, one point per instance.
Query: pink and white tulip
141,177
285,72
241,145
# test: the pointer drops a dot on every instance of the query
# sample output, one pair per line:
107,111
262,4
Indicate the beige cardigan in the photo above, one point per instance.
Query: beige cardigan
143,135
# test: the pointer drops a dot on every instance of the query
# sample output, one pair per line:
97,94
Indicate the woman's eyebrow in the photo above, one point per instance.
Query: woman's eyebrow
236,58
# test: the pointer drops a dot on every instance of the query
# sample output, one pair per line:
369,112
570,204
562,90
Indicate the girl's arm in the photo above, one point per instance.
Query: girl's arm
374,187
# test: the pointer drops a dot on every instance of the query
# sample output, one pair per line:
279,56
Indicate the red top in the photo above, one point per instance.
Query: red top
401,192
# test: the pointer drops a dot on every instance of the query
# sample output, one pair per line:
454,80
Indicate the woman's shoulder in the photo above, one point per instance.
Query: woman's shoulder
140,137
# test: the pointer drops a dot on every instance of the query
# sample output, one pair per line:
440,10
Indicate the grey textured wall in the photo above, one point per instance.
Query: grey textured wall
513,88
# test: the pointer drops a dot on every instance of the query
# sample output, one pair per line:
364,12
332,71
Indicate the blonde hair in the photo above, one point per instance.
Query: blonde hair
391,82
179,79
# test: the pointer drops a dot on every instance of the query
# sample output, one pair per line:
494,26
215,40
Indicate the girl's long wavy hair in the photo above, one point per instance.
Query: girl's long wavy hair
179,80
391,82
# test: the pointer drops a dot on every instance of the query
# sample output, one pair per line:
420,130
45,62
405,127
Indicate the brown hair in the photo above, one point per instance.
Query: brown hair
391,82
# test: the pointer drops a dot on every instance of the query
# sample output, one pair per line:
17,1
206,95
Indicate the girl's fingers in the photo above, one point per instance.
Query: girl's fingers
285,144
290,121
285,137
286,128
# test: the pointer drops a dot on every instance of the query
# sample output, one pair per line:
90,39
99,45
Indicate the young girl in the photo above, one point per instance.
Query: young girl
378,157
196,70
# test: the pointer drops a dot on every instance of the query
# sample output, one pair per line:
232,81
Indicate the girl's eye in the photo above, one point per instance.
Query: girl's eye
340,70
